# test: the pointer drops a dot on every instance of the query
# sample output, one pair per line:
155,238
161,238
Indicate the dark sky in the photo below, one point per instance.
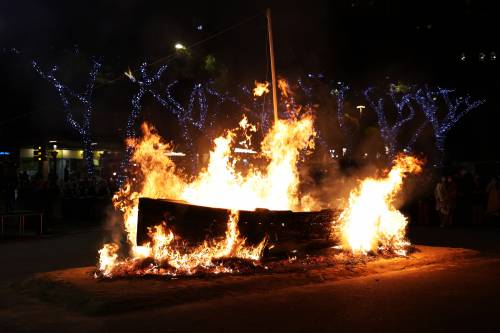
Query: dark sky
359,42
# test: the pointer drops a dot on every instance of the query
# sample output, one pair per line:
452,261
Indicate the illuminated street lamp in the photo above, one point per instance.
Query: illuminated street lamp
179,46
360,108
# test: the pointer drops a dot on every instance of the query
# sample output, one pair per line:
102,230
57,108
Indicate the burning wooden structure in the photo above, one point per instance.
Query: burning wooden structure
285,230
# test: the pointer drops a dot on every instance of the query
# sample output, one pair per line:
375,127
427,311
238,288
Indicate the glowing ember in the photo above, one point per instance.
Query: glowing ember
261,88
370,222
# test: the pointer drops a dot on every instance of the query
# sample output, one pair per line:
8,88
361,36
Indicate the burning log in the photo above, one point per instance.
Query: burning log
285,230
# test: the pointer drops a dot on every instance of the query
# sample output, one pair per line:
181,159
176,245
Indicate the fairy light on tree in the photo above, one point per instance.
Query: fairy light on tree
456,108
405,112
83,128
146,85
149,84
348,132
416,135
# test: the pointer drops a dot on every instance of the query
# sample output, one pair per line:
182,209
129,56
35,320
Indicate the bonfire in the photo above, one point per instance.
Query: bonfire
369,221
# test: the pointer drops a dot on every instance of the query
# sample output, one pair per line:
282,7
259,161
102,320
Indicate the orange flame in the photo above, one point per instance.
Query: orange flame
370,222
275,187
284,88
261,88
219,185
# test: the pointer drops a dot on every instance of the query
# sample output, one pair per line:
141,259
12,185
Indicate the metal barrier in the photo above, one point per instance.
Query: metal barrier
22,219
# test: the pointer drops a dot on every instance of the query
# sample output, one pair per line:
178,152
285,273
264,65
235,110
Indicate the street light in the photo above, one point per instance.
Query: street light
360,108
179,46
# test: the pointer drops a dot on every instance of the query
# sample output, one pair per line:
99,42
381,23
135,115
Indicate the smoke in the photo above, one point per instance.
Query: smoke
114,230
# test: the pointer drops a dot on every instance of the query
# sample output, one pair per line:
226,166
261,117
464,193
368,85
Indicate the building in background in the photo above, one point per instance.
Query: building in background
61,160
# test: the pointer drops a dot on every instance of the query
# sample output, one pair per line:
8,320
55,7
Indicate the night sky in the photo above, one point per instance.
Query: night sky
362,43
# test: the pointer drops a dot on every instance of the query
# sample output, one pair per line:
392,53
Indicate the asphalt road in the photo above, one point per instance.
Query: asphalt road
462,297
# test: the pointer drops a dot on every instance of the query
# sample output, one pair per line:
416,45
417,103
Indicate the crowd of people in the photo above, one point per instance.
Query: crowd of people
73,197
466,198
458,199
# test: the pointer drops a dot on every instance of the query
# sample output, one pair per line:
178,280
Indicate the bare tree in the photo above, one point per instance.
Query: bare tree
405,112
83,128
456,108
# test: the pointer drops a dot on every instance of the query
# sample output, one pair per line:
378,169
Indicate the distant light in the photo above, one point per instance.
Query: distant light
199,27
360,108
463,57
52,141
130,75
4,153
54,146
179,46
482,56
493,56
114,173
93,144
244,151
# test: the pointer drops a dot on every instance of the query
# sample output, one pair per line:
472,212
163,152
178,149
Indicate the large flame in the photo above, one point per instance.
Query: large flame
273,186
371,222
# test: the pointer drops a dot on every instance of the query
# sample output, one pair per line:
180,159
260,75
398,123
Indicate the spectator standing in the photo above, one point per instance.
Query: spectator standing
442,207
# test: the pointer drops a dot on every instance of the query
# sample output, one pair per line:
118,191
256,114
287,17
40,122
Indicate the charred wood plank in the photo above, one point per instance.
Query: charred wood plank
197,223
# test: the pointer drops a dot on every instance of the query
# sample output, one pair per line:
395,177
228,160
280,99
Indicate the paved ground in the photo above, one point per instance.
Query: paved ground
460,297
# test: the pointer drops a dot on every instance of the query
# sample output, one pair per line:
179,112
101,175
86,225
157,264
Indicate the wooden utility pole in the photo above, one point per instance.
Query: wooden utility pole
273,65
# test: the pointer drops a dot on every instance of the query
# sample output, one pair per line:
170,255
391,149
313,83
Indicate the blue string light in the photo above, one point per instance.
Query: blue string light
185,115
416,135
187,119
85,98
146,85
428,101
390,132
339,92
